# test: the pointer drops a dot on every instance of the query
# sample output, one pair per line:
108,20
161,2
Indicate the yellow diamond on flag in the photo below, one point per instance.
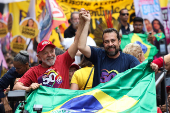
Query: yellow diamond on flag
145,47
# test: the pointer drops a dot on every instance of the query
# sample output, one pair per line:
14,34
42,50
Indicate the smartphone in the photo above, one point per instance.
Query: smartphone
162,47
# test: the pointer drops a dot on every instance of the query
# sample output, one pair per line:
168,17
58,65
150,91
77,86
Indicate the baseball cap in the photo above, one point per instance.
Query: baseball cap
43,44
75,65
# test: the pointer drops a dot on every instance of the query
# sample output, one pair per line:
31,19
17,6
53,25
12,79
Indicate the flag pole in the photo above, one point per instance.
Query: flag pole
161,77
28,44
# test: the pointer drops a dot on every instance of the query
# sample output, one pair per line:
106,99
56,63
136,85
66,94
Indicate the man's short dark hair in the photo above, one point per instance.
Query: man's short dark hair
109,30
122,10
75,12
138,19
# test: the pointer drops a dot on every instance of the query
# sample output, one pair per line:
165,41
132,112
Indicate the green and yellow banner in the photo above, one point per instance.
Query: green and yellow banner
149,50
127,92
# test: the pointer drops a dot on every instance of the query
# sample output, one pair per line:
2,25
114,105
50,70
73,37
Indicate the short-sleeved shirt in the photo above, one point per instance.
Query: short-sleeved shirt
80,77
107,68
56,76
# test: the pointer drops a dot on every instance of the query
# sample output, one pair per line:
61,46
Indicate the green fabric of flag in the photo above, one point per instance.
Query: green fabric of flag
159,36
149,50
132,91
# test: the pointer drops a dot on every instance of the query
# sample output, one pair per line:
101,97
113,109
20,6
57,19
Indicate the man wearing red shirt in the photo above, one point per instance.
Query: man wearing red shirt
54,70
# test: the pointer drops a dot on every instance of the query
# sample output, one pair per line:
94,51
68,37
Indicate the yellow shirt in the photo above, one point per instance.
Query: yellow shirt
80,77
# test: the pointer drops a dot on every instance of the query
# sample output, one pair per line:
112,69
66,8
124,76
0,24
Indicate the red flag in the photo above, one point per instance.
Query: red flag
58,14
53,18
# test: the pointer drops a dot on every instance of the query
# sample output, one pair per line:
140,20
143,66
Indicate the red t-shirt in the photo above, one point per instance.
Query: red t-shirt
56,76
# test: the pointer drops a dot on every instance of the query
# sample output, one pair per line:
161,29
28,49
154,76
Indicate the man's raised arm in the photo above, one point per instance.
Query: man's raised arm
83,37
73,48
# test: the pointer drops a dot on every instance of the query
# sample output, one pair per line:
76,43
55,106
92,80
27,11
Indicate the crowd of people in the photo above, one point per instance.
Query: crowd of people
83,65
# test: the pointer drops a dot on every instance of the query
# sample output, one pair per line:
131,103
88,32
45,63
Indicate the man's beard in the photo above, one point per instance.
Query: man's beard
49,63
138,31
75,25
112,53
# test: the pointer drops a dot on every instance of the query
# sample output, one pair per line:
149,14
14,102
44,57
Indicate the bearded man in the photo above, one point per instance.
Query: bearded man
71,30
52,72
108,62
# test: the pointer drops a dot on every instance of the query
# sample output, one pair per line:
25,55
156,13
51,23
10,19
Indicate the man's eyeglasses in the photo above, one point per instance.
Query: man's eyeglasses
123,14
138,25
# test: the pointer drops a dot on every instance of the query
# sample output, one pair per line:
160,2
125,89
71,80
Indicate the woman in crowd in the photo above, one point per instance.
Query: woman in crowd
81,76
74,67
157,26
21,65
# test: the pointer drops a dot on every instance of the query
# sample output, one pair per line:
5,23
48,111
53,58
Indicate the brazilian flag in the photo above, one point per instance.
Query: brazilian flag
159,36
132,91
149,50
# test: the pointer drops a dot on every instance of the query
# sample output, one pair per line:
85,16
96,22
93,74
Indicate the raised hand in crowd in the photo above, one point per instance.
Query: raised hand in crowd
85,15
150,39
59,33
82,10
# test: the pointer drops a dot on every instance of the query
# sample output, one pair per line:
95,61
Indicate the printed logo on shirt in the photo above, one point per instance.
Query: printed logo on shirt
50,78
107,75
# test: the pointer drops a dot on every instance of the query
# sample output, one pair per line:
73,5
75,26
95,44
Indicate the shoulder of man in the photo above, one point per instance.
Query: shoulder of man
95,48
130,60
128,56
35,68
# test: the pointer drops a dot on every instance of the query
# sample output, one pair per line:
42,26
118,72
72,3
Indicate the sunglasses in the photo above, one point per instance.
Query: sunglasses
123,14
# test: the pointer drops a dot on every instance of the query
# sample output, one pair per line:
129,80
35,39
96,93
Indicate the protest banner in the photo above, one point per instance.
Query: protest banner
18,43
29,28
150,11
166,23
96,8
10,1
3,29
